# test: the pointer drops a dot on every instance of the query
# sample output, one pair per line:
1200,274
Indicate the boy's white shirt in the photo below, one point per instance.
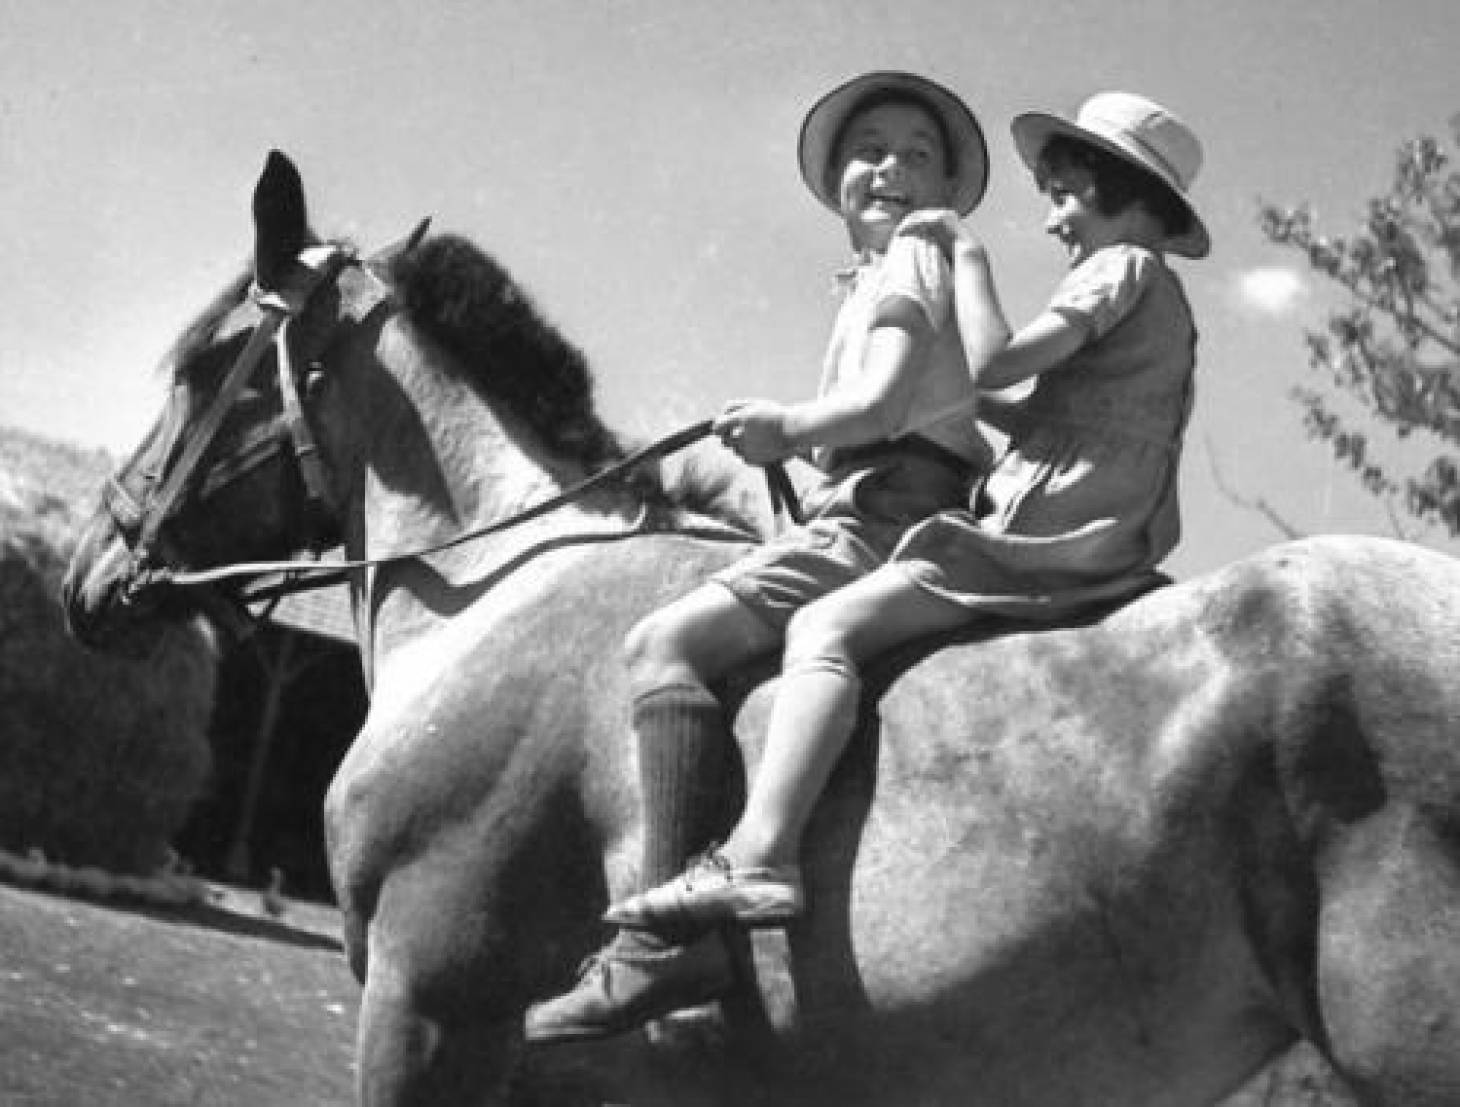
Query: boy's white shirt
943,400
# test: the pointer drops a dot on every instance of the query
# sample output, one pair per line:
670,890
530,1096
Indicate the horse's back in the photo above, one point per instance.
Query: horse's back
1027,825
1030,823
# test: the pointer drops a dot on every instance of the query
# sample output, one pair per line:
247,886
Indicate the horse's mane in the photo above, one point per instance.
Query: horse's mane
463,300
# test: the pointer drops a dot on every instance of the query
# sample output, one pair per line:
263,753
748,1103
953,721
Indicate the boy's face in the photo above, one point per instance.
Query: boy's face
892,163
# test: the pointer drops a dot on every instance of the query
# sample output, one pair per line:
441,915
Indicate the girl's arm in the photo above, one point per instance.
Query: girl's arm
871,408
1038,347
997,356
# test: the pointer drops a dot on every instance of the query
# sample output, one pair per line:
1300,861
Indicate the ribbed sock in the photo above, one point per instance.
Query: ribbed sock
683,742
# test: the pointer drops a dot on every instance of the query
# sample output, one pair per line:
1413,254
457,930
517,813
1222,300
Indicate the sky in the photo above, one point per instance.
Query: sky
632,162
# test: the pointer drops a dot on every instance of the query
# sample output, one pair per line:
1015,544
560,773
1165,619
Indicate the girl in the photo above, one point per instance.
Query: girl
873,150
1078,512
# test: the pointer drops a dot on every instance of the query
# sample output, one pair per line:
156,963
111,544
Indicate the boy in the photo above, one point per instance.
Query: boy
873,150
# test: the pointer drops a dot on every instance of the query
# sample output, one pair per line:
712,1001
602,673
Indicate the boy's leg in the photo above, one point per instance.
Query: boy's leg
680,729
683,741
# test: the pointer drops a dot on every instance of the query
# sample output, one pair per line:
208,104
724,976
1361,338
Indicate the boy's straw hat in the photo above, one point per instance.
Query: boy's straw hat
824,122
1136,130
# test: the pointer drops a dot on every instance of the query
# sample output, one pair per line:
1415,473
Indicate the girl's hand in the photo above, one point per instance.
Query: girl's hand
756,430
943,228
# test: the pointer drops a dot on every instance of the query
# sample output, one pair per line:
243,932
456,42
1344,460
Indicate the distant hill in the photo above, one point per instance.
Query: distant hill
102,757
49,478
35,469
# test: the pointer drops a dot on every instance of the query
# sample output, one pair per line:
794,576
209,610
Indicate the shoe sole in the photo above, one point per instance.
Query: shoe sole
574,1035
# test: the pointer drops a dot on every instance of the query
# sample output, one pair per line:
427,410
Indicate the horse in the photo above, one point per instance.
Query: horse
1129,860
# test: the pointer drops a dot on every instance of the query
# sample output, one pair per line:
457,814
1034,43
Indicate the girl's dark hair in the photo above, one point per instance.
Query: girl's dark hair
1118,183
894,96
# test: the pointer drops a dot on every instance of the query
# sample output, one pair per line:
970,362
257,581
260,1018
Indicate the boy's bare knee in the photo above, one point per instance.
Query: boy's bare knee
698,638
652,641
675,644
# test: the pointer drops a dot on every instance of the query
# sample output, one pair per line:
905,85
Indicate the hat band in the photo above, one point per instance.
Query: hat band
1163,167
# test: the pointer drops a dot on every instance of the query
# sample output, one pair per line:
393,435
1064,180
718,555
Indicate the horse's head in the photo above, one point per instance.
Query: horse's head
232,469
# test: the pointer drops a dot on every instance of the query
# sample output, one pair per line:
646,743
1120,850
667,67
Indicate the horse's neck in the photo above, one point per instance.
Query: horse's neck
436,462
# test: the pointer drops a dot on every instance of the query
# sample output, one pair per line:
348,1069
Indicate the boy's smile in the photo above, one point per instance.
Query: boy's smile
893,163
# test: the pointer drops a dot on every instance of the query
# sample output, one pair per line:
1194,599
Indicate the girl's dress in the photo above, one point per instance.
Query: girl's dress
1082,506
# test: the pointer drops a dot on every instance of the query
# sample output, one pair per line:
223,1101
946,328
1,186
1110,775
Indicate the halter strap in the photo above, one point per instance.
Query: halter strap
301,437
205,430
279,306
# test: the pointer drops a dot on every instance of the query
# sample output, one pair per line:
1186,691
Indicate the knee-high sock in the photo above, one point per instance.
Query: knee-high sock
683,742
813,717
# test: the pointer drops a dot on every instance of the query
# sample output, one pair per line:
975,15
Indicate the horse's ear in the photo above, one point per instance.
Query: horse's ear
279,220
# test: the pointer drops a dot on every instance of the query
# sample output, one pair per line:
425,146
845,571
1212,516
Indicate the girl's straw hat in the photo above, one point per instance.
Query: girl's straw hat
824,123
1136,130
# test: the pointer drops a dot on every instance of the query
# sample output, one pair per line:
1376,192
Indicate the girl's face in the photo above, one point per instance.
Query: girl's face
893,163
1073,218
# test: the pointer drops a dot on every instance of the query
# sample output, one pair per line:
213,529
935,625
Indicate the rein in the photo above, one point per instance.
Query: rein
141,518
331,572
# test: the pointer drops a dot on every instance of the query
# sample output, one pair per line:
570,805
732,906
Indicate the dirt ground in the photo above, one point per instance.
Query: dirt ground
222,1006
226,1005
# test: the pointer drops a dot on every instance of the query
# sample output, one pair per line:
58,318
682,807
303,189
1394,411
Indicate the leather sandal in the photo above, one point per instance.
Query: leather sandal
713,891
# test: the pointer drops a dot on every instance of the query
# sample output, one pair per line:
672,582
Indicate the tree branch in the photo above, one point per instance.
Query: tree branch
1258,505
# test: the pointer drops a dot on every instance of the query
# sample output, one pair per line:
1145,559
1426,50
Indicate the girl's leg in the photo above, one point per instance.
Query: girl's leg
816,704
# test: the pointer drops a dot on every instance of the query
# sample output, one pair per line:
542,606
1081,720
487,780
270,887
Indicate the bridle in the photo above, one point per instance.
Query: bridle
141,516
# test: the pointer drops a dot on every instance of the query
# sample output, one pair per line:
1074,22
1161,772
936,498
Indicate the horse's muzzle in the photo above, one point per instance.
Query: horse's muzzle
107,604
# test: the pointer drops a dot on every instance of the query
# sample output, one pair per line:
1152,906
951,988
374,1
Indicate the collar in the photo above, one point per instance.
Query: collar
845,280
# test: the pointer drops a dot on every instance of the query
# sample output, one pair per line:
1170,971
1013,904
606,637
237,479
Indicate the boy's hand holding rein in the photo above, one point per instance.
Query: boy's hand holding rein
755,430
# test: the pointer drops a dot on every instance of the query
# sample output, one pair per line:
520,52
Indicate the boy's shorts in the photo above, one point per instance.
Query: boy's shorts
856,515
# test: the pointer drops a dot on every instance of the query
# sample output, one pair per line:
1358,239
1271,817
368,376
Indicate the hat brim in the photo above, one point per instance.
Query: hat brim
1033,130
824,122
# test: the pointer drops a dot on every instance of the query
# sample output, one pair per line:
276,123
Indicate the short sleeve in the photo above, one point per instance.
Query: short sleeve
915,269
1101,291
